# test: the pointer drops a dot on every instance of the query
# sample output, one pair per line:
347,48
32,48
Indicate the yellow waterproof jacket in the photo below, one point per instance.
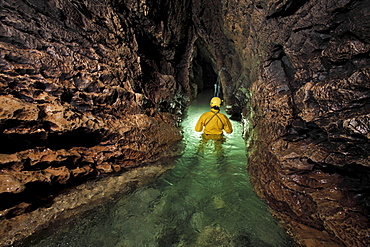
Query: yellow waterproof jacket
213,122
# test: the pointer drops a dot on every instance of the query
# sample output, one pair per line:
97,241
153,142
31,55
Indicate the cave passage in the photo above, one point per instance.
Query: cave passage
205,200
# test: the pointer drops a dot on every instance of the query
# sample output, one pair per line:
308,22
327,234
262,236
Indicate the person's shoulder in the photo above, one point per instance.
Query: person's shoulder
205,114
224,116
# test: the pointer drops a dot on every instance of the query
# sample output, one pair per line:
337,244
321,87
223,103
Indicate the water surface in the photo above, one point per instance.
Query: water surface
205,200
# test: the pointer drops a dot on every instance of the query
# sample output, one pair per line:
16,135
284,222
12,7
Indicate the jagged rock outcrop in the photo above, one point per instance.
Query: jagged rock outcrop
308,139
86,88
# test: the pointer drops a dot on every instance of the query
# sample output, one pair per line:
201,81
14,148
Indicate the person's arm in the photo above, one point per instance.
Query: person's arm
200,123
227,125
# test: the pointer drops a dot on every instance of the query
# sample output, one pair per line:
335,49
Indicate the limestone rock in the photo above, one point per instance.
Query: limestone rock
81,95
9,184
309,145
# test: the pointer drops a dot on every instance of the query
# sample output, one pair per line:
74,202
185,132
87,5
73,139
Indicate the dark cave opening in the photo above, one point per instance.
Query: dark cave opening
204,74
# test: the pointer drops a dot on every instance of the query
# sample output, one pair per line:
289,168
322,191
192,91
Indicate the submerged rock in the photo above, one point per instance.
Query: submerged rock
214,236
17,230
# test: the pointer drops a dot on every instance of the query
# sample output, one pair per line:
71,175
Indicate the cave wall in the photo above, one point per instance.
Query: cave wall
86,88
308,116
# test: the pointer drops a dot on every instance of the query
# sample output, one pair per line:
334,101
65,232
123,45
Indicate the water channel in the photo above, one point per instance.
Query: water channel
205,200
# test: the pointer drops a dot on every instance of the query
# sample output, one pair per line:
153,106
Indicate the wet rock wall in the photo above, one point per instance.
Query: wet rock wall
308,137
86,88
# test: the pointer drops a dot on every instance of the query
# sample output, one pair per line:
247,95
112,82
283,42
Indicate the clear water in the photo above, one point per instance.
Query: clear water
205,200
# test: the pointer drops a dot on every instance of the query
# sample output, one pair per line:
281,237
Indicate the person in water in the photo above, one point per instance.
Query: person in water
213,123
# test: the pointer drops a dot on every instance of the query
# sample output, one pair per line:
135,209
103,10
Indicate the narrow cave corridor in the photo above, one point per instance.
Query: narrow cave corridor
97,90
204,200
205,75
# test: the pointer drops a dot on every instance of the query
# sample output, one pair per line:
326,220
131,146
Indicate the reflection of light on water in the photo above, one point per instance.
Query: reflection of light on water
205,200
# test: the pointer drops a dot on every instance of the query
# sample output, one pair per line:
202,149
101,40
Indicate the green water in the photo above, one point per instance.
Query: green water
205,200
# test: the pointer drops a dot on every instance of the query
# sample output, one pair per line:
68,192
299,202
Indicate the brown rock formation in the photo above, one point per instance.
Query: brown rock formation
85,89
309,141
90,87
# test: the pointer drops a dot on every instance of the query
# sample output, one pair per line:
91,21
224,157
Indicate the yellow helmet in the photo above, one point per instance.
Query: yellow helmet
215,101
